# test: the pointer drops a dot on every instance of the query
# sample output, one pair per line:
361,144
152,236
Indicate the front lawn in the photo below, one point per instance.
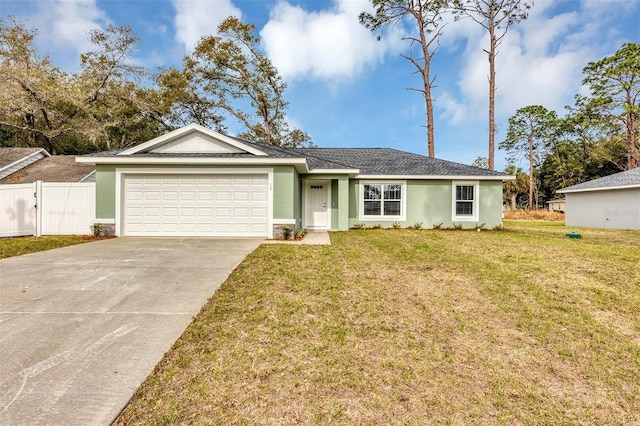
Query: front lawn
24,245
522,326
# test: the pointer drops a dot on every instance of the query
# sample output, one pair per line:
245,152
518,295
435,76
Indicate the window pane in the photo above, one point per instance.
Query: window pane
372,208
464,192
372,192
392,192
464,208
392,208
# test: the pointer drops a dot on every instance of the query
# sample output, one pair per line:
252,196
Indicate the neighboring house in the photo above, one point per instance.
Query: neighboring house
557,205
611,202
196,182
14,159
54,168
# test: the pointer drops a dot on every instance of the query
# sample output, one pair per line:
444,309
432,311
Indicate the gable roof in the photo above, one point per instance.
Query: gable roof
56,168
622,180
359,163
14,159
225,144
11,155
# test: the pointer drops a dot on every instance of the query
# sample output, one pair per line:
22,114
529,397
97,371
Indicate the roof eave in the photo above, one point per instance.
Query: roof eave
435,177
604,188
299,163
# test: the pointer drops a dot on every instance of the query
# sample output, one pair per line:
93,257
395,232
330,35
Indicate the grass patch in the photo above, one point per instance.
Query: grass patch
522,326
23,245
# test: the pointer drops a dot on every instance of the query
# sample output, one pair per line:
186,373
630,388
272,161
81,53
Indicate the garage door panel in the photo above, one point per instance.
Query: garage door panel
195,205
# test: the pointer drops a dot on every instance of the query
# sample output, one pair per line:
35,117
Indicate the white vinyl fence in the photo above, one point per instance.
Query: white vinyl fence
47,208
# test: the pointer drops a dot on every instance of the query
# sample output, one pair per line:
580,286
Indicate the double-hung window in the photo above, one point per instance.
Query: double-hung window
382,200
465,201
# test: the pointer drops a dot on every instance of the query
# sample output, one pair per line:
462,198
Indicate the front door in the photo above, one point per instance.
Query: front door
316,204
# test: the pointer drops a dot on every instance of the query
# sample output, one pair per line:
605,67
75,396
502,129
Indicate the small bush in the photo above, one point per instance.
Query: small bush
457,226
286,232
396,225
96,229
498,228
358,226
376,226
437,225
300,233
417,225
480,226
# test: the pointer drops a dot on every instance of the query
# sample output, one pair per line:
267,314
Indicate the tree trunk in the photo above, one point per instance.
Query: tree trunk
531,171
492,89
430,134
514,196
632,152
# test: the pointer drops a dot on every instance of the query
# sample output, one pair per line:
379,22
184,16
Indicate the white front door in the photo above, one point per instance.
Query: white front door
317,204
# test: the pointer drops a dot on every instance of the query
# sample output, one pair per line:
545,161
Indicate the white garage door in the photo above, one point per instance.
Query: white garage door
195,205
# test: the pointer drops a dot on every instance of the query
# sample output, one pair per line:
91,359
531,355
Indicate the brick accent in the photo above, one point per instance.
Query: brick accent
108,229
278,231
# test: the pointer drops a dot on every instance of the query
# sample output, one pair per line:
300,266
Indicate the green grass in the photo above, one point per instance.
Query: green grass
23,245
522,326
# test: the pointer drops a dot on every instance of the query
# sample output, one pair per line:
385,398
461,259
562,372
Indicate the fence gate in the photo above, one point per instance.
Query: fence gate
47,208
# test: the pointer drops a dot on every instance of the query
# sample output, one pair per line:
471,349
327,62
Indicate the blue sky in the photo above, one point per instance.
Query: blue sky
347,89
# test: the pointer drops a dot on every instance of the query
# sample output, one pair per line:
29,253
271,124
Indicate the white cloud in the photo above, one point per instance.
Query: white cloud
196,18
64,25
329,44
540,62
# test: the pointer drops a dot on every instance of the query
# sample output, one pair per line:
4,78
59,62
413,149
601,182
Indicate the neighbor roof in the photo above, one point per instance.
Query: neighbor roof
57,168
627,179
11,155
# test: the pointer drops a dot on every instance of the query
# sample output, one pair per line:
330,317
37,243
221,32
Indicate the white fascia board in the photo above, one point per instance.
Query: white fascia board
299,163
434,177
334,172
193,127
605,188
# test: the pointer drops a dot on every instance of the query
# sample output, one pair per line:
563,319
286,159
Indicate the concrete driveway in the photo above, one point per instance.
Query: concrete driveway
82,326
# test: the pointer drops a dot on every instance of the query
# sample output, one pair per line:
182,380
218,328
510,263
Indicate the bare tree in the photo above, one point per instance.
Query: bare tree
496,16
426,19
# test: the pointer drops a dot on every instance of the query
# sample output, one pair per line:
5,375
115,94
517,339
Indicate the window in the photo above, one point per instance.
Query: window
382,200
465,201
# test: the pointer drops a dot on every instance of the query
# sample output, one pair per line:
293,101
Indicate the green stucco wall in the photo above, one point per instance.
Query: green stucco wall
105,191
430,202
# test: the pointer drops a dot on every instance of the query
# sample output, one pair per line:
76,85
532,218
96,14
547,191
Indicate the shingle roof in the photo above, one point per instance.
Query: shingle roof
387,161
369,161
11,155
623,179
57,168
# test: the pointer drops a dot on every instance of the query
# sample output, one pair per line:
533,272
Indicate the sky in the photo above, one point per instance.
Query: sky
348,89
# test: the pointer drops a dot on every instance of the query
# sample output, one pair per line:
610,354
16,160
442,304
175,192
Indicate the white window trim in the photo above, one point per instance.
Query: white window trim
476,201
403,200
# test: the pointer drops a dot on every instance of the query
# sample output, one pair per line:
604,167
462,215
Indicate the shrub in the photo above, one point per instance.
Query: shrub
457,226
480,226
358,225
437,225
417,225
376,226
396,225
96,229
286,232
